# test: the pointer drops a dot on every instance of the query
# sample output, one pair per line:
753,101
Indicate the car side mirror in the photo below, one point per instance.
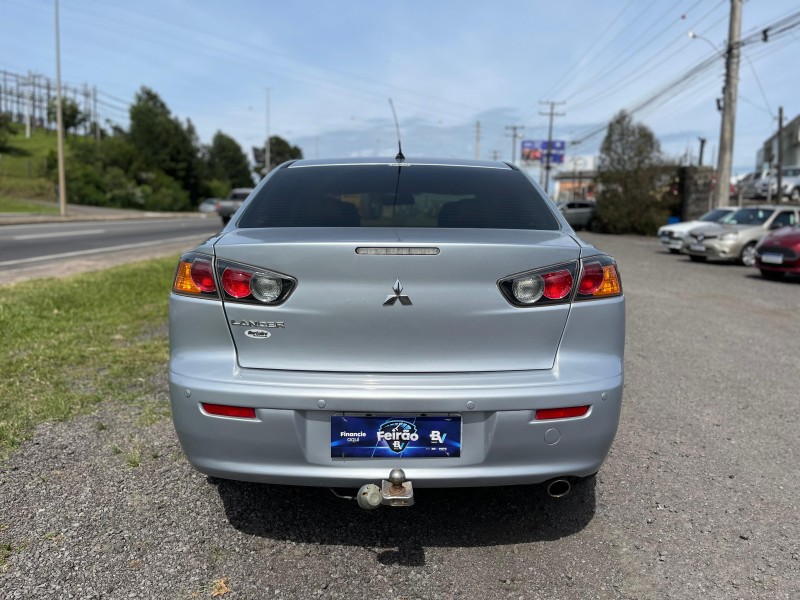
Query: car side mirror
776,225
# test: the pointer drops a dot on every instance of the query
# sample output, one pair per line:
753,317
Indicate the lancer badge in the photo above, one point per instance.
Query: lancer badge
398,295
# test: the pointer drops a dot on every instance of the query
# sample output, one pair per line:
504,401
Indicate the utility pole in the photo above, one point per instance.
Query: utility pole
514,137
28,106
62,179
551,113
478,140
702,141
730,92
267,158
780,154
495,155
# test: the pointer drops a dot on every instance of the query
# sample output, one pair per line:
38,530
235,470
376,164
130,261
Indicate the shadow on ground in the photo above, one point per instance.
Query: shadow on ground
465,517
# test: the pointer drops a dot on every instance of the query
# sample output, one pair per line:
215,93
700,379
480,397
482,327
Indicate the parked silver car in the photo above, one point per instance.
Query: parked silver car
358,316
578,213
790,185
672,236
736,238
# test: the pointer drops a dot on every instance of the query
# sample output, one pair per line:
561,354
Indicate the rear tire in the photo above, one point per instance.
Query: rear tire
694,258
225,220
772,275
748,255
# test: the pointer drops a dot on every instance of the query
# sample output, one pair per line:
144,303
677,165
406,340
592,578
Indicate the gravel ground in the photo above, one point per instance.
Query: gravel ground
699,497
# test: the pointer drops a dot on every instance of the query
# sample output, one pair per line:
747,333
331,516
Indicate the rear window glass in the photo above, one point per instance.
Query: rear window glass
387,196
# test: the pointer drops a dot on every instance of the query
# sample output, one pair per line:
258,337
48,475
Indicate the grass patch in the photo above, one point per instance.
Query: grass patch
13,205
71,343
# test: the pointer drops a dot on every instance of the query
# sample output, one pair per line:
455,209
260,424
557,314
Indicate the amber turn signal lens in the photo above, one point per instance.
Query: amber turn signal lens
184,284
610,285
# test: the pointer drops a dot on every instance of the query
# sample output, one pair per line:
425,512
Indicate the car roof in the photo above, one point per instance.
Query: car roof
439,162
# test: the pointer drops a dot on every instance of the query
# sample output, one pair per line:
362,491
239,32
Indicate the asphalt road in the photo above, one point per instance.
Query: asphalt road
34,251
698,499
51,242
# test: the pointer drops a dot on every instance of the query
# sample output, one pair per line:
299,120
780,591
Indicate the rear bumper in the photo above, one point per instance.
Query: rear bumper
502,444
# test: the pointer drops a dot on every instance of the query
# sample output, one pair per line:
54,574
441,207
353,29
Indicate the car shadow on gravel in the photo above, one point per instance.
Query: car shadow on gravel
467,517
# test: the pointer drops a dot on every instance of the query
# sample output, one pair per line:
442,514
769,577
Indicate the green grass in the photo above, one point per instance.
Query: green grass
13,205
71,343
23,170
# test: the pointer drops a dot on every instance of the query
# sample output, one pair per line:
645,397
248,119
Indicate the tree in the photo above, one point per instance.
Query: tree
279,150
71,114
630,171
227,162
163,143
5,129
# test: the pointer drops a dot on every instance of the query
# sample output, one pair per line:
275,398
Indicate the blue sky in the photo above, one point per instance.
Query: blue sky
331,67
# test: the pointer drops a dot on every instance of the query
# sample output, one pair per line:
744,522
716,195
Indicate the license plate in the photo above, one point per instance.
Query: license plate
389,436
772,258
697,247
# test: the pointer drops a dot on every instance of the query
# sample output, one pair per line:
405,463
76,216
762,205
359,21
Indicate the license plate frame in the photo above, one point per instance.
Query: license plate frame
697,247
382,436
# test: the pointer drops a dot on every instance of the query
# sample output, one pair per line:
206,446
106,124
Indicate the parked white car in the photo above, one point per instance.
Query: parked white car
790,182
672,236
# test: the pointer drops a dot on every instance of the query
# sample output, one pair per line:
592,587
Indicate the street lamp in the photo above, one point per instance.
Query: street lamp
62,179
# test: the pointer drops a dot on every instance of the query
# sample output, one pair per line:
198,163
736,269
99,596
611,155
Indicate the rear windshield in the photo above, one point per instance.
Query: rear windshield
388,196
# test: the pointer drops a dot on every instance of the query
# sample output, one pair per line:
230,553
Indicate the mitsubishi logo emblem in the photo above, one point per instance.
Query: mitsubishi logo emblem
398,295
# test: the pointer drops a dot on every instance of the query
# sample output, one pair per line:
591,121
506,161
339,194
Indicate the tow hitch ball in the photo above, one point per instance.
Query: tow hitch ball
395,491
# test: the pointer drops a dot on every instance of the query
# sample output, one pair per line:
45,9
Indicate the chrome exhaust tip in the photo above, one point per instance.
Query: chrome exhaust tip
558,488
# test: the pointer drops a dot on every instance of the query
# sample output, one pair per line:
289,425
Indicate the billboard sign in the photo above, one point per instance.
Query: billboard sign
536,151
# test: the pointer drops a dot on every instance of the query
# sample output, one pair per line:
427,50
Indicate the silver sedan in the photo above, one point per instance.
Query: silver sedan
390,324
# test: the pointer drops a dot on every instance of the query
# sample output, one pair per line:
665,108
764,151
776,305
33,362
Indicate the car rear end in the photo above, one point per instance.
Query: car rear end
360,316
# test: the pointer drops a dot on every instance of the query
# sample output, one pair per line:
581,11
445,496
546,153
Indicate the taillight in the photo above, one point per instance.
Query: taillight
195,276
552,285
242,283
225,410
599,279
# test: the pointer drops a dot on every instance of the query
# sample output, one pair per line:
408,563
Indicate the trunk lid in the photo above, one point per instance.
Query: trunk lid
449,315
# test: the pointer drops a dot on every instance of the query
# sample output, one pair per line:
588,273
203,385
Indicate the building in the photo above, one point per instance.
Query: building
575,179
790,141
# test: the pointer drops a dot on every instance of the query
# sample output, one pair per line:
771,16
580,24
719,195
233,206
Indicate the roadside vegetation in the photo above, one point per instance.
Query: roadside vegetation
635,180
71,343
156,163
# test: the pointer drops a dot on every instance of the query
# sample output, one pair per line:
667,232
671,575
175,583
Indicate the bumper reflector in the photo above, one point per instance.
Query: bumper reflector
545,414
223,410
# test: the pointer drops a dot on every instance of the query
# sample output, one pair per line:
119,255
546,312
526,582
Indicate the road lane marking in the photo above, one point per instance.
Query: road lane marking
24,261
58,234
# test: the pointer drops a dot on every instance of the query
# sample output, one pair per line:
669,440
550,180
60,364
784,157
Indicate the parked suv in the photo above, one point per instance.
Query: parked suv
736,239
790,184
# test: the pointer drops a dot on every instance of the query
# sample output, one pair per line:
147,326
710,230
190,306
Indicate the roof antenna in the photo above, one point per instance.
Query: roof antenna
399,156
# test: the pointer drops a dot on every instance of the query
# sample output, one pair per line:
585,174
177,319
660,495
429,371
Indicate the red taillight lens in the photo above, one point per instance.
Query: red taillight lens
557,285
203,275
591,279
236,283
546,414
223,410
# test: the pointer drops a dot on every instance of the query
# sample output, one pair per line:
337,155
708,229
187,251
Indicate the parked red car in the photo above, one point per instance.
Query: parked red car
778,253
